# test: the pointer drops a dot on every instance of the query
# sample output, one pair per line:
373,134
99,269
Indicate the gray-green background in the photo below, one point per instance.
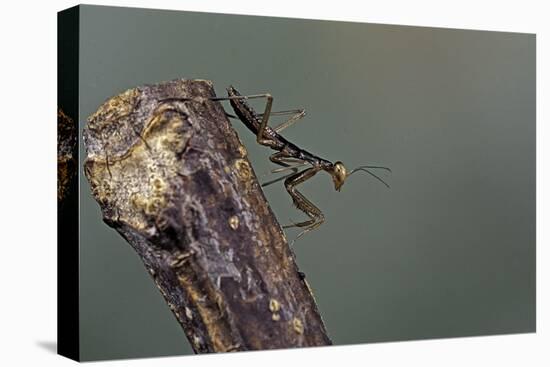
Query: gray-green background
448,251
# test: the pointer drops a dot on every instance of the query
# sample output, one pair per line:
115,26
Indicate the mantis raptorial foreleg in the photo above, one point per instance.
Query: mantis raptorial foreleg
316,216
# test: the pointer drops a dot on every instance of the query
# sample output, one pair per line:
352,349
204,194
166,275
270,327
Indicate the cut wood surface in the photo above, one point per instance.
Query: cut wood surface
174,180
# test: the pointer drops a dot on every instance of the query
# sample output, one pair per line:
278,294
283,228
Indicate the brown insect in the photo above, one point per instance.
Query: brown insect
290,156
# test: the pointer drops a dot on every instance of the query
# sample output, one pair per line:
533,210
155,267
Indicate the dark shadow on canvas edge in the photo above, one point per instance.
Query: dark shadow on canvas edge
48,345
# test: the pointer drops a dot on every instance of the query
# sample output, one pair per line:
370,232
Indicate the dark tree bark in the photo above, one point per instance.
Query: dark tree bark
174,180
67,137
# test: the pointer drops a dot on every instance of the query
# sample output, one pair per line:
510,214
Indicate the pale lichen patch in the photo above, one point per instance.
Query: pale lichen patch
234,222
243,169
297,325
114,109
188,313
274,305
138,177
197,341
242,151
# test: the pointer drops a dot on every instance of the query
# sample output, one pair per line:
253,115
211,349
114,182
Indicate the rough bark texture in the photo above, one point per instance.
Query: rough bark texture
66,154
174,180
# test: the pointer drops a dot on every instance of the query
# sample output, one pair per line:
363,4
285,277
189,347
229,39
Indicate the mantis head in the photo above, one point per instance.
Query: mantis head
339,173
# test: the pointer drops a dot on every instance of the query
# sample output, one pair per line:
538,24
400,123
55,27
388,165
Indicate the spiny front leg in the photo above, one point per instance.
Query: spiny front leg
316,216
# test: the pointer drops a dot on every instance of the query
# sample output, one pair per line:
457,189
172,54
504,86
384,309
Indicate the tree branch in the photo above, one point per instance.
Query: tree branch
174,180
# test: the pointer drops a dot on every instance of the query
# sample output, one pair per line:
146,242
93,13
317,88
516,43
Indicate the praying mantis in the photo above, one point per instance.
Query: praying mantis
289,155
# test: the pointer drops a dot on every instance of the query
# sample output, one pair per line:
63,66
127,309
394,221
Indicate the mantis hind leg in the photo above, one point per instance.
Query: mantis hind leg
260,138
296,115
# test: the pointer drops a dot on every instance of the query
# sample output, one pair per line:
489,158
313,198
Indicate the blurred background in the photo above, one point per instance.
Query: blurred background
447,251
